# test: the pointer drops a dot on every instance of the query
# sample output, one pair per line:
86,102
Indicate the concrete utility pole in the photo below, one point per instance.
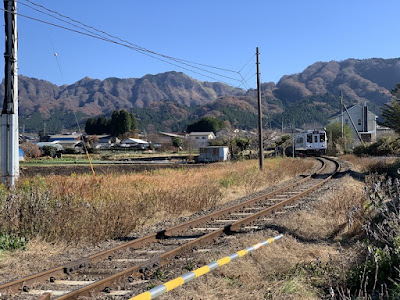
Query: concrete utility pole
260,137
9,137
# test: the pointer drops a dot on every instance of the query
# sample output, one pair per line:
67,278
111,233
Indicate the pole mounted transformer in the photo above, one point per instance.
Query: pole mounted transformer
9,137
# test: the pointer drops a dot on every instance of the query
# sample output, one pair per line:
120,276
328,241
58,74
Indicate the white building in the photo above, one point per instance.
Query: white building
201,139
213,153
67,140
135,143
363,119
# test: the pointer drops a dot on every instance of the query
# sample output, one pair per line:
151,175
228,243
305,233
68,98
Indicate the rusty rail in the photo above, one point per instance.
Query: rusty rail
17,285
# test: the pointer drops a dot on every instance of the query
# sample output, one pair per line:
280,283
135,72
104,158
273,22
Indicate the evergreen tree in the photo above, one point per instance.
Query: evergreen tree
101,125
114,123
134,123
206,124
391,112
89,127
124,122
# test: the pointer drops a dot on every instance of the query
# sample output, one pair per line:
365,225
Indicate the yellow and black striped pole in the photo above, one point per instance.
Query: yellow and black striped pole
172,284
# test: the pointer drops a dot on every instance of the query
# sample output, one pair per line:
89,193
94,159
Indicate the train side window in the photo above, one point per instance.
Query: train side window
309,138
300,140
322,137
315,138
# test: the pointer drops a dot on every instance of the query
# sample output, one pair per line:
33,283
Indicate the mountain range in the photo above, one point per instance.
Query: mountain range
169,101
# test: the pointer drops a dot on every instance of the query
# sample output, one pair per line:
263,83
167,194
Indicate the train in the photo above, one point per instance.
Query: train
310,142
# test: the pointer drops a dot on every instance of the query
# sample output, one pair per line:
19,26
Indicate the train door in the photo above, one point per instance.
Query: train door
319,141
300,143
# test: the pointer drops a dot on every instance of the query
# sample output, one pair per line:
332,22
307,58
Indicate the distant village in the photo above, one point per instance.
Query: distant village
209,145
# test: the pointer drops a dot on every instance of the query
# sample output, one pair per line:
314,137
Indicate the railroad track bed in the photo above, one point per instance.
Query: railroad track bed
133,265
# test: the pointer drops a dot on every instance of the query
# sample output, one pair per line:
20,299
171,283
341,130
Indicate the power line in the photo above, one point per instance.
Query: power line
137,47
245,76
247,63
127,46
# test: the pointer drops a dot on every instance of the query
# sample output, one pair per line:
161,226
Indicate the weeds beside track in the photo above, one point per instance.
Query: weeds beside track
168,255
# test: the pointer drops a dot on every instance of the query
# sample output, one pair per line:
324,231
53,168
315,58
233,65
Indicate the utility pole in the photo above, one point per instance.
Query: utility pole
293,149
341,112
260,137
9,137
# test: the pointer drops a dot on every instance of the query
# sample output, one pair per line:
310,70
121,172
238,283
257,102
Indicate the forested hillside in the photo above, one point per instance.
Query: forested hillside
171,100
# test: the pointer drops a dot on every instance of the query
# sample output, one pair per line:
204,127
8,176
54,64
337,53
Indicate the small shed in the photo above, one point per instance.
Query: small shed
213,154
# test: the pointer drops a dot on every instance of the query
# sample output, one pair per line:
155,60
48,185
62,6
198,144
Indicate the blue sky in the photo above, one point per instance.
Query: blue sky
290,34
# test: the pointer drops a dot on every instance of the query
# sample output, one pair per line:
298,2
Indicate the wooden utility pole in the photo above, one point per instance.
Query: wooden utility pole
341,113
9,137
260,137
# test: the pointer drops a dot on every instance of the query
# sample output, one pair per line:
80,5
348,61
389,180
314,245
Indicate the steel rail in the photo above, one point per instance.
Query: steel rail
20,284
162,259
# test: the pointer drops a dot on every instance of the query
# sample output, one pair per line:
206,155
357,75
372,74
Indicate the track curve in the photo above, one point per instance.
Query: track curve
104,271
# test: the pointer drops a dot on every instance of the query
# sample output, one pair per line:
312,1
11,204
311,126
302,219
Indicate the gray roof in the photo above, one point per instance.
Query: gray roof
201,133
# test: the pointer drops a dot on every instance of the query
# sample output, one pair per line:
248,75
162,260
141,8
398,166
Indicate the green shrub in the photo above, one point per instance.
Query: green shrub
11,242
49,151
383,147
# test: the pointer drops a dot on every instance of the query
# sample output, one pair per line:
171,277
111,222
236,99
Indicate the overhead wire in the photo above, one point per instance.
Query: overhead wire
245,64
135,46
115,42
76,118
122,40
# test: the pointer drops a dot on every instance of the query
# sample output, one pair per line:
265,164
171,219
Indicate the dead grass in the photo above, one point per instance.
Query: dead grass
367,164
83,208
332,218
302,265
260,275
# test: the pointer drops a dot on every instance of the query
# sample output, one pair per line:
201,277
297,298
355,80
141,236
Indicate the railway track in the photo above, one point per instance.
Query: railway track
117,270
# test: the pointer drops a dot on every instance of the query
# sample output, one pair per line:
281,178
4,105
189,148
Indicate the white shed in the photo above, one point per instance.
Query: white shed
213,153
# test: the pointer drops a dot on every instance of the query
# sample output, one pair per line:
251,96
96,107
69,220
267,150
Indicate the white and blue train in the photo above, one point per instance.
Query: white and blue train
310,142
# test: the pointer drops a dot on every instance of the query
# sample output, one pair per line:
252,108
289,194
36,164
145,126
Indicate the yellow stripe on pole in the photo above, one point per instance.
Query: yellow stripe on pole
224,261
201,271
170,285
242,253
143,296
271,240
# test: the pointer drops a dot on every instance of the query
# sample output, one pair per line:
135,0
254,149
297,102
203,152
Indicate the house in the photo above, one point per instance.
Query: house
363,119
66,140
105,141
201,139
213,153
135,143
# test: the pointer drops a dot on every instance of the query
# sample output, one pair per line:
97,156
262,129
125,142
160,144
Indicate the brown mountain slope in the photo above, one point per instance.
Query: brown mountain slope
360,80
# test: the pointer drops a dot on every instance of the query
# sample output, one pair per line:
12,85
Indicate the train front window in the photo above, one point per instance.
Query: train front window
309,138
315,138
322,137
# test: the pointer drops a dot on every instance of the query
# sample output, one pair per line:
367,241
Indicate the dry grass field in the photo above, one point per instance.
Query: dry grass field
312,261
81,208
313,255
